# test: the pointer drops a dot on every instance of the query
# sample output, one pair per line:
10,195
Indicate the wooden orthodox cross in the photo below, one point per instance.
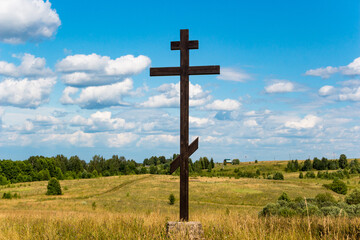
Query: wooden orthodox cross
186,150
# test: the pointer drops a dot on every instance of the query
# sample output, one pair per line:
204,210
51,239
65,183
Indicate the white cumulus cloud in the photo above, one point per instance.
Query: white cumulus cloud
121,139
25,93
353,68
250,123
158,140
200,122
224,105
280,86
326,90
309,121
98,96
101,121
231,74
27,20
350,94
170,96
94,70
322,72
30,66
78,138
1,115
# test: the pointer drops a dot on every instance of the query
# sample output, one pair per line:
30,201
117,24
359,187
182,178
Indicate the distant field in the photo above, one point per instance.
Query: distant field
136,207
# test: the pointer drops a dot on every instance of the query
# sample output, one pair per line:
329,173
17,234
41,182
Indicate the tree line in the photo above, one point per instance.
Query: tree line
40,168
324,164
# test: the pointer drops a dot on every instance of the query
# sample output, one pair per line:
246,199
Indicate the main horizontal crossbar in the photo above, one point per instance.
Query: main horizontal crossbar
191,45
174,71
192,148
202,70
164,71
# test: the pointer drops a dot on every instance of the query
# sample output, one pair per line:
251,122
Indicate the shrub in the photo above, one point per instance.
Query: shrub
337,186
324,197
325,200
269,210
53,187
284,197
301,175
310,175
332,211
313,210
286,212
353,198
7,196
171,199
16,195
278,176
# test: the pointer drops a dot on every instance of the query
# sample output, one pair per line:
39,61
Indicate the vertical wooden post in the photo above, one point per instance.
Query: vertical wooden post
184,125
184,71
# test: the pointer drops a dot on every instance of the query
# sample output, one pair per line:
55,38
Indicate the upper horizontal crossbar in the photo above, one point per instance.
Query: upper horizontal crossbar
194,70
191,45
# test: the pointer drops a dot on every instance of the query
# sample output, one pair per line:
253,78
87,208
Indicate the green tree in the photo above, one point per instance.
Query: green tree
44,175
343,161
153,169
75,164
3,180
58,173
143,170
95,173
209,168
307,165
325,163
212,163
317,164
53,187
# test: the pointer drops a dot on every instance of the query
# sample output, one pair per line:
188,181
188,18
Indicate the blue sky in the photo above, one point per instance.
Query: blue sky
74,78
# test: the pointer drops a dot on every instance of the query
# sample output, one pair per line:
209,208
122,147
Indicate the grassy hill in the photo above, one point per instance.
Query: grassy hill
136,207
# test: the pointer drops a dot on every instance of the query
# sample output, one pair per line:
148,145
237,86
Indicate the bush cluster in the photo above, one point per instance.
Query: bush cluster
278,176
337,186
323,204
8,195
340,174
245,174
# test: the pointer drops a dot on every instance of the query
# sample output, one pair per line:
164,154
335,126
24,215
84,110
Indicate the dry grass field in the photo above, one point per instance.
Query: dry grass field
136,207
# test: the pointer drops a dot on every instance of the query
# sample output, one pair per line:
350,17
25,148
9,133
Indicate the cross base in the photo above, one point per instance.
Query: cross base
184,230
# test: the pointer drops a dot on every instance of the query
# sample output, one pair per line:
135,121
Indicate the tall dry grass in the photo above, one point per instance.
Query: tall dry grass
136,207
99,225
